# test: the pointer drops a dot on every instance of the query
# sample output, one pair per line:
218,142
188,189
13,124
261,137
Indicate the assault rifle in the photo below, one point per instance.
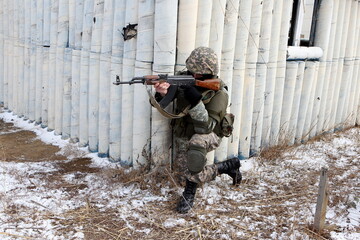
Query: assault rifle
177,80
174,81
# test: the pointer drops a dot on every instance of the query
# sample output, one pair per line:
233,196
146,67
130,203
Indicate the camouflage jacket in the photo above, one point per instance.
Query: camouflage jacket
203,118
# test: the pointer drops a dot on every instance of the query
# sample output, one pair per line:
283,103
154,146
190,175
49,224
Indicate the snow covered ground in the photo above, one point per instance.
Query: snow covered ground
54,199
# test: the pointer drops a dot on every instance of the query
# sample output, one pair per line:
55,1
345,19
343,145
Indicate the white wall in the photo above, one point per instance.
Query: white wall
58,60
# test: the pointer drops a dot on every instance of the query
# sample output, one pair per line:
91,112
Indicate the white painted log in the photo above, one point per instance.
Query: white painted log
39,60
46,65
260,79
75,71
356,106
84,72
6,52
249,80
217,26
343,71
52,64
62,41
21,58
349,64
337,66
271,72
2,36
16,49
105,78
94,74
116,70
309,125
242,37
322,40
164,62
203,23
280,73
143,66
226,64
67,78
287,102
186,31
308,82
10,67
115,91
32,79
27,58
127,91
325,108
293,122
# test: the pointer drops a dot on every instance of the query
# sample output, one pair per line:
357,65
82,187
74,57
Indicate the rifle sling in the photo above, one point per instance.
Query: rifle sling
166,114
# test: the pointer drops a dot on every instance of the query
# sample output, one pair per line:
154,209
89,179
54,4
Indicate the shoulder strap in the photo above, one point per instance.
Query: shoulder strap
207,95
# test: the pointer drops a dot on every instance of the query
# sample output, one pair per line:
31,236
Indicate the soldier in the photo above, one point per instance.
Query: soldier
199,132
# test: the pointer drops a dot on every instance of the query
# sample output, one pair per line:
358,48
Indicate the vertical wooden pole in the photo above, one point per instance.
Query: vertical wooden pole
322,200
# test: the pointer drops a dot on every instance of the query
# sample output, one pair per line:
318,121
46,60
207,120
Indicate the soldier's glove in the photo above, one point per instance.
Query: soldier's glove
192,95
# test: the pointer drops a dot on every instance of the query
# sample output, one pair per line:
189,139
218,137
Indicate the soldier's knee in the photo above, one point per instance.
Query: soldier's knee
196,158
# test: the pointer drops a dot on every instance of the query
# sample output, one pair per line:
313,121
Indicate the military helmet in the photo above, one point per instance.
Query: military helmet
203,60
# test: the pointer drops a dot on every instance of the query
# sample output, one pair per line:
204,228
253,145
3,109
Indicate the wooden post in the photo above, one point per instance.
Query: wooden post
322,200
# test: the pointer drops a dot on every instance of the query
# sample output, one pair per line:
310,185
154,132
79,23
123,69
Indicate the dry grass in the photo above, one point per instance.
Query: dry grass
273,202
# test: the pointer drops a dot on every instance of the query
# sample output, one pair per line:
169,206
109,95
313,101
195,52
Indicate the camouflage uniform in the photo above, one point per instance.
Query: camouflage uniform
198,132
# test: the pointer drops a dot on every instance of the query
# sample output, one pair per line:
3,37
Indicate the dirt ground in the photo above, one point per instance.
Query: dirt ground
258,214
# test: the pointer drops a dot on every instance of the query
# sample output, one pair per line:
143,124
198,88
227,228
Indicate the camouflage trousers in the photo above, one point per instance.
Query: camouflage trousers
209,142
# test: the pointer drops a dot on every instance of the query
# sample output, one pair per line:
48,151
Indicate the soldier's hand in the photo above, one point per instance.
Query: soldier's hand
192,95
162,88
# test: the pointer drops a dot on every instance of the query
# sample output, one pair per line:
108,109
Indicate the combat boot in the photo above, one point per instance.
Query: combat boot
231,167
187,199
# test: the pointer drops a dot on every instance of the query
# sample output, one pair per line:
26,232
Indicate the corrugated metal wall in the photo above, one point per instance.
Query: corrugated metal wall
58,59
